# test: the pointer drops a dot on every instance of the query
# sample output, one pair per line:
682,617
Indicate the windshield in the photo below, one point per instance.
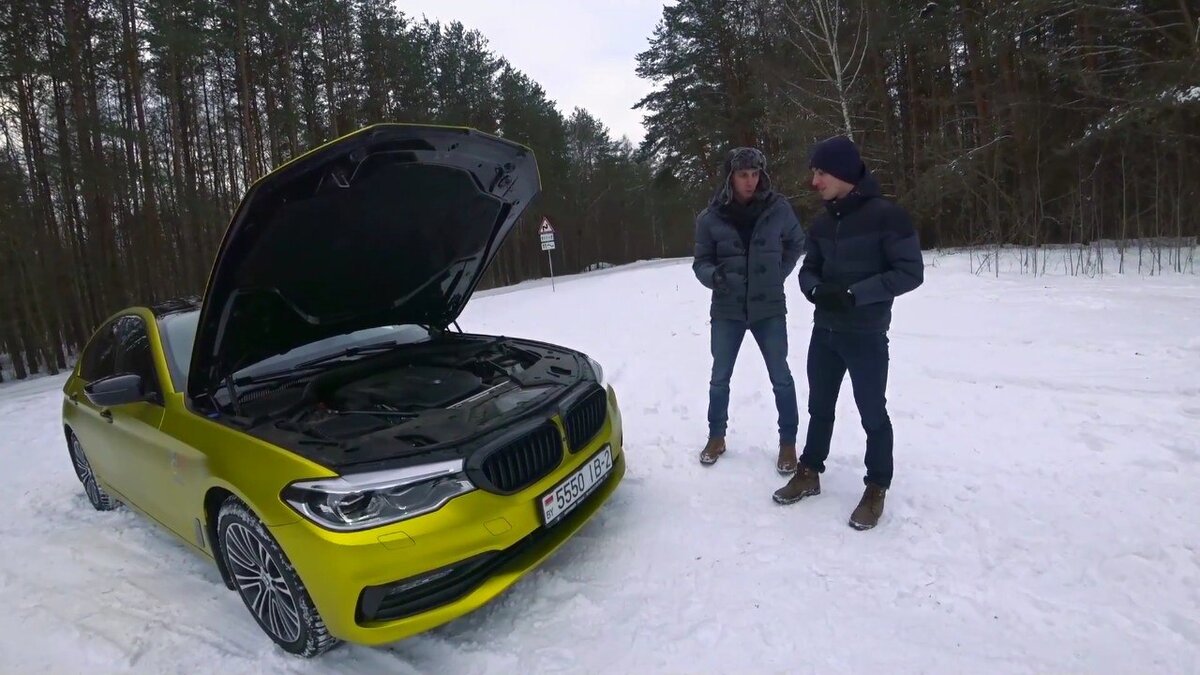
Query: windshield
179,335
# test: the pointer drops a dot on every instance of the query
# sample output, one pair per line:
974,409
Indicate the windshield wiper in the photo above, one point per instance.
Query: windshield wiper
312,363
353,350
272,376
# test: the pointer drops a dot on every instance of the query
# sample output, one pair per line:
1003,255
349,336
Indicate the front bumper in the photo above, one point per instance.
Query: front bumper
431,569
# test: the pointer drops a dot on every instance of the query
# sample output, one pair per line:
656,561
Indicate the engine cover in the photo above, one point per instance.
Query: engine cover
410,388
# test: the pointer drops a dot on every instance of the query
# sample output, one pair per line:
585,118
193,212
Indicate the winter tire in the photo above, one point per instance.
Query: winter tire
83,470
268,584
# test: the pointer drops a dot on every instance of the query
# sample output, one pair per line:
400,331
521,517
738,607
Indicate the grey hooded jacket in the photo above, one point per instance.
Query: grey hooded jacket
755,275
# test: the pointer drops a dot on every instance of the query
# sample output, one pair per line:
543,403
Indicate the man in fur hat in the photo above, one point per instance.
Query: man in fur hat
748,241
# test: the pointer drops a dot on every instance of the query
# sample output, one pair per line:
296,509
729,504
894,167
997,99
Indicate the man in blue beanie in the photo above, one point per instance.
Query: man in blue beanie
748,241
861,253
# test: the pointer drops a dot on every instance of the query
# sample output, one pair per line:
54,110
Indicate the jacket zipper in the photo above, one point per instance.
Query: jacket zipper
749,243
837,227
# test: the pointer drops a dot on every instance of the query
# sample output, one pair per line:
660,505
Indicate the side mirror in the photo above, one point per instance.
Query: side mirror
115,390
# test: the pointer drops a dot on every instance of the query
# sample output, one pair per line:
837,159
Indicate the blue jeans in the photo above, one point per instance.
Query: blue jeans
865,355
771,336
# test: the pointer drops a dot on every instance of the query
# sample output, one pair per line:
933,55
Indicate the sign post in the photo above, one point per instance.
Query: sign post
546,234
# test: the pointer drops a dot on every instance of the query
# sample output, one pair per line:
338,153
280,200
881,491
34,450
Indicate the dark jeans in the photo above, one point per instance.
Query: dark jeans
771,336
865,355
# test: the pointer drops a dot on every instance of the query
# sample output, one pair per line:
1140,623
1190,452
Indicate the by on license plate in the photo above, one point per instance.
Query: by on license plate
575,488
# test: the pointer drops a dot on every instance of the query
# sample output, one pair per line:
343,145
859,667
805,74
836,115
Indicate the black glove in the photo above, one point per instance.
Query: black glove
833,297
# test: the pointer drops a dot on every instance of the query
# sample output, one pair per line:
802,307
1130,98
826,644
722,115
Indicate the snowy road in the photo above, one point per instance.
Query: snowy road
1045,514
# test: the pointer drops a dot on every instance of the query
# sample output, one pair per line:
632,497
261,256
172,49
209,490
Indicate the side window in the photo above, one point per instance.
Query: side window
134,355
100,358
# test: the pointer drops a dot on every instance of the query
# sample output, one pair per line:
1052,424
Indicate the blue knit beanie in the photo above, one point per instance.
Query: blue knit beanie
838,156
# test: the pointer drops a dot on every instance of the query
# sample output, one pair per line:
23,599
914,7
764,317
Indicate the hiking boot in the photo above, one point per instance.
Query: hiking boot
712,451
786,464
869,509
805,483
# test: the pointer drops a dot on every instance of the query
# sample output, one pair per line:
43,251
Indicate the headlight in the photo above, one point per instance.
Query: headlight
362,501
598,371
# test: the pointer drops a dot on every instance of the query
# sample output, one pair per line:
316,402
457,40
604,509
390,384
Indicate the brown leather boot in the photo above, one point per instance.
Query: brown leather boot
869,509
805,483
712,451
786,464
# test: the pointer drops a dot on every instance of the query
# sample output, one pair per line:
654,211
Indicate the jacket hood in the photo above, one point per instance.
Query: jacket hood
866,189
390,225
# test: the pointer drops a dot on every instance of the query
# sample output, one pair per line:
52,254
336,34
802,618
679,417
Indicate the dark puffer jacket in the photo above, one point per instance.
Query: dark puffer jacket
755,266
867,244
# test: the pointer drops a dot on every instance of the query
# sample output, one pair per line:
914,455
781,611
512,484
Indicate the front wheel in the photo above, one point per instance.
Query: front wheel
100,499
269,584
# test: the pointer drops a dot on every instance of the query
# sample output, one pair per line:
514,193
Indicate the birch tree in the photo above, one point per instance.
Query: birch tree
833,39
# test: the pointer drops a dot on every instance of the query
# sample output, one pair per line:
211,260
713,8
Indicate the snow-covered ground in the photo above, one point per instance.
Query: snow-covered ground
1045,514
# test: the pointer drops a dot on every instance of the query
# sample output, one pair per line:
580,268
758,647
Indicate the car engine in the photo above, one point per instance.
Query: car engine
434,398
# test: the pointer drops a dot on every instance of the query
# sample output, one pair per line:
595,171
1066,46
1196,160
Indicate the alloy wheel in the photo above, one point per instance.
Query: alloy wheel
261,583
84,471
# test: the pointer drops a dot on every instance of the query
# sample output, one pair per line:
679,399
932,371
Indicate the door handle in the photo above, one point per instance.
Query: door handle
107,415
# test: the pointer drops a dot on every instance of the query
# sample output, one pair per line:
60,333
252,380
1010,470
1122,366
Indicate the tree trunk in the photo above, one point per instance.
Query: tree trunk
253,170
99,214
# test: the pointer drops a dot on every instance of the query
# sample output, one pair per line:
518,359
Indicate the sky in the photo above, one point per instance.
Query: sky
581,53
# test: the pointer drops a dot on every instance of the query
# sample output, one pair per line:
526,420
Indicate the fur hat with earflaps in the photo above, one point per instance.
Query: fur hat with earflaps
737,160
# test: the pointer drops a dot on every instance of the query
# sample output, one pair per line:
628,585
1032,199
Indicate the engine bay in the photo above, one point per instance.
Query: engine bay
439,398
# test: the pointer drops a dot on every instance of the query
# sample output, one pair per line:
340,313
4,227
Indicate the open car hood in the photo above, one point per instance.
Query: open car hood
392,224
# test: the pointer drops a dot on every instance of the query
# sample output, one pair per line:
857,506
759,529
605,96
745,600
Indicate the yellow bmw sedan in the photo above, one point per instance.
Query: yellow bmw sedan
357,467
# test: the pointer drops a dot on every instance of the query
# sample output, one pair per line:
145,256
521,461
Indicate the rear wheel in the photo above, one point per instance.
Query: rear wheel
95,494
268,583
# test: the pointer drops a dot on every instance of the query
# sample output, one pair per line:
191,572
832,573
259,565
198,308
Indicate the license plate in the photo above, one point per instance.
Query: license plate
565,496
